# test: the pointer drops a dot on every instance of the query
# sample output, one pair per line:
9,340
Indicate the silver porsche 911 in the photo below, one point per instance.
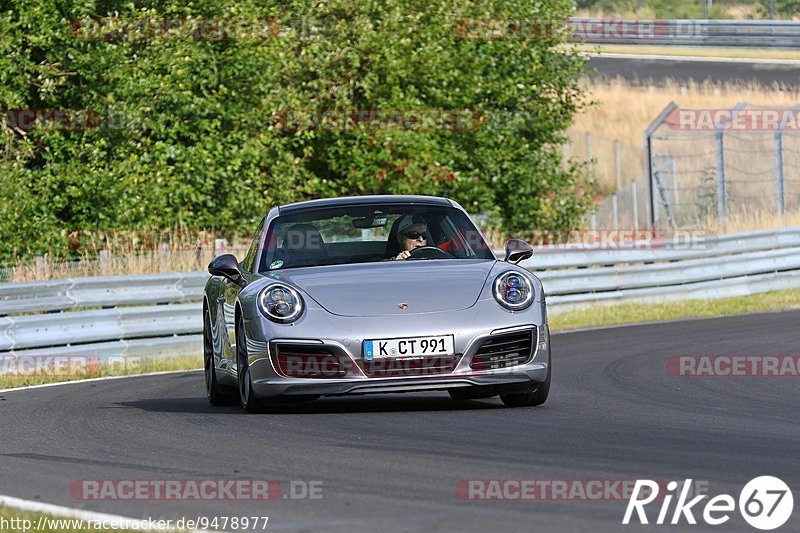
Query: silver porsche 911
374,294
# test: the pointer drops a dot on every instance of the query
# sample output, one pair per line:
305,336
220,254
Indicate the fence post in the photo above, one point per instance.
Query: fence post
779,183
634,206
722,195
618,164
103,261
220,245
593,221
673,167
614,212
42,267
564,158
589,153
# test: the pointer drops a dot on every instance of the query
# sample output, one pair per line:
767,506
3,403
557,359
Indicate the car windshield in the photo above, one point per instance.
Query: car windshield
370,233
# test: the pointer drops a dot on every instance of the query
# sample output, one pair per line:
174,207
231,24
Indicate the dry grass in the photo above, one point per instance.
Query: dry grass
689,51
622,112
121,253
748,221
733,11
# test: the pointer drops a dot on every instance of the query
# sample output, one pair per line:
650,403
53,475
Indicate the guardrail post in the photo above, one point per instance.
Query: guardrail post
722,195
779,183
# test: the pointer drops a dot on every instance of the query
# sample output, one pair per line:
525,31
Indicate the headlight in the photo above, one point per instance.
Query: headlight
280,303
513,291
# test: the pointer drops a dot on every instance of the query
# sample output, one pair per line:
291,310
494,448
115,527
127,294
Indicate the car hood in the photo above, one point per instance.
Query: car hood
375,289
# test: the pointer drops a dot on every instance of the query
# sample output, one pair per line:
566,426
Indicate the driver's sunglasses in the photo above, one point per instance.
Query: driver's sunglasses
414,235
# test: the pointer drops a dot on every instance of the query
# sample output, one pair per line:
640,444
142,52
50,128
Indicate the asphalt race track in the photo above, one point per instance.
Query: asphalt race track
650,70
391,463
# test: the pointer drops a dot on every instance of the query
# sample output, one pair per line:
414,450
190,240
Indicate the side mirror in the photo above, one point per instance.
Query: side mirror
227,266
517,250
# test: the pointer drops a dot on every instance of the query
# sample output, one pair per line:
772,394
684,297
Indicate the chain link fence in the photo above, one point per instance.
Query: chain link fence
708,166
700,169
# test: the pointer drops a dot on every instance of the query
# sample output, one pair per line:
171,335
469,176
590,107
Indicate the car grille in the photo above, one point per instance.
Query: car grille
307,362
503,351
410,366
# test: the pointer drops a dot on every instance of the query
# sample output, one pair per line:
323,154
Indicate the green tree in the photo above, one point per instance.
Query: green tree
189,132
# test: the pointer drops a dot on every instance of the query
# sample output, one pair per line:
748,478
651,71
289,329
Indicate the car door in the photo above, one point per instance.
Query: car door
227,302
230,291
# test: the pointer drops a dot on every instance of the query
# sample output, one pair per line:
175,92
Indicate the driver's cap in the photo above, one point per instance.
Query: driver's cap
410,220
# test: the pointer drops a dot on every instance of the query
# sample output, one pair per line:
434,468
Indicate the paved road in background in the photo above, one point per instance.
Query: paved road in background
647,70
391,463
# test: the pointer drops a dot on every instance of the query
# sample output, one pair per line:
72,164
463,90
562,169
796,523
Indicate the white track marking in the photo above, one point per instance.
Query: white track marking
80,514
106,378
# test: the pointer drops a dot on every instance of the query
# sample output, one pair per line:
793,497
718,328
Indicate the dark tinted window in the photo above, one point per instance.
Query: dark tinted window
371,233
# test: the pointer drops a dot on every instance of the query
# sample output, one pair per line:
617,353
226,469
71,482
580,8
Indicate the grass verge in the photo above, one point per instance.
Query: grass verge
600,315
84,371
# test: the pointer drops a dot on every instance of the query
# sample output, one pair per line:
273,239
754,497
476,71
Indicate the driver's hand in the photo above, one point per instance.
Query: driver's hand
405,254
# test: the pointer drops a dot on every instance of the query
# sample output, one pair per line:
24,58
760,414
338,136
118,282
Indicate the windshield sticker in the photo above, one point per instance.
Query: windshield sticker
276,264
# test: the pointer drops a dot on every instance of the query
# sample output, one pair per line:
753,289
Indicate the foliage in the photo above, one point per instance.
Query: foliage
783,8
188,135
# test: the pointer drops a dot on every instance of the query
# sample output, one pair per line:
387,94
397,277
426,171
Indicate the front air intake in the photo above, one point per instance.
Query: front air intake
307,362
503,351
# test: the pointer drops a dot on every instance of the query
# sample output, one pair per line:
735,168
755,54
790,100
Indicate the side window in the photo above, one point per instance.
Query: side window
249,259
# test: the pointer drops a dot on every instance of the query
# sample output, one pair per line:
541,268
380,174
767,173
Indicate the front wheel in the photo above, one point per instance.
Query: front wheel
215,394
532,398
246,396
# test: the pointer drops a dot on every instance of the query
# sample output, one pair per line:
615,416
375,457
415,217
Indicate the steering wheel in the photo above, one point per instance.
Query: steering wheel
430,252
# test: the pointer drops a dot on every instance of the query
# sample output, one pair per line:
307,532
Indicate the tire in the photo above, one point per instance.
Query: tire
531,398
216,395
247,399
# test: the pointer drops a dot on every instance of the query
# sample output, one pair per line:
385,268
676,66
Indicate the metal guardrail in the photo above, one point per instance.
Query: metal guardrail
688,32
110,291
160,315
678,249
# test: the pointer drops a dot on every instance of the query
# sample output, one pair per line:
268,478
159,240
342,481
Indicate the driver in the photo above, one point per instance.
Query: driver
412,232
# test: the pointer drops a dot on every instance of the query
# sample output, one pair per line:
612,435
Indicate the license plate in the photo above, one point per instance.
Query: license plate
408,347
